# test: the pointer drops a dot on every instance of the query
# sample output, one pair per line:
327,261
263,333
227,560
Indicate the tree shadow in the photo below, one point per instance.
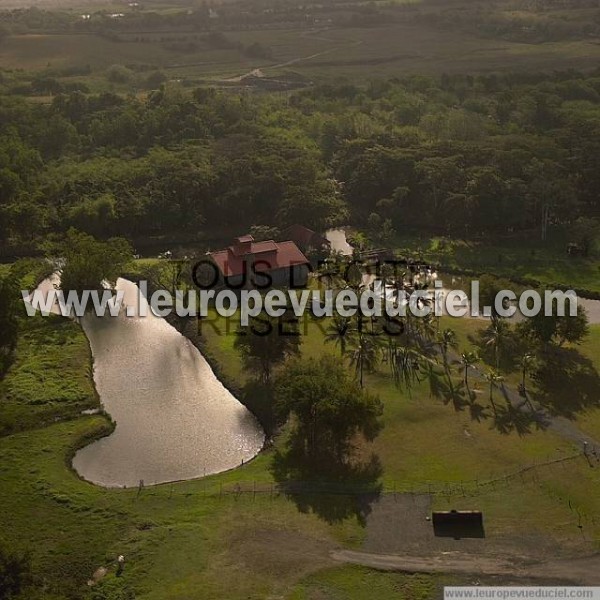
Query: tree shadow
477,411
509,419
567,382
513,346
505,417
257,397
7,359
442,386
332,488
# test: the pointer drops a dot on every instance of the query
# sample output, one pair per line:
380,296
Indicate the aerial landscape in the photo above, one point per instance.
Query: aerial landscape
299,301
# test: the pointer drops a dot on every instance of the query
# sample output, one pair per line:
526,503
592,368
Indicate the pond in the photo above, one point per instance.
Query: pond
174,418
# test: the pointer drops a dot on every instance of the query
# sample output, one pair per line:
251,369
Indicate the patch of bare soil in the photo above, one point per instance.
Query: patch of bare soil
583,571
281,552
400,537
398,524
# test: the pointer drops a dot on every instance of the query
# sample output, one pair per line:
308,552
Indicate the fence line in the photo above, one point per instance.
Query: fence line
530,473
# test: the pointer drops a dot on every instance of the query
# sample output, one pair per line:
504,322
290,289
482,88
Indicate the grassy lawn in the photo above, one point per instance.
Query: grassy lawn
426,443
522,259
178,539
589,421
51,375
358,583
198,535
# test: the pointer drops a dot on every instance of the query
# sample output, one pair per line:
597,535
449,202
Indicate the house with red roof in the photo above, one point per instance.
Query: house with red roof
248,264
307,239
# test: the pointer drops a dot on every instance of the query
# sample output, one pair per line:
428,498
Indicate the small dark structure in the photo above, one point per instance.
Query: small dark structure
574,249
458,524
377,254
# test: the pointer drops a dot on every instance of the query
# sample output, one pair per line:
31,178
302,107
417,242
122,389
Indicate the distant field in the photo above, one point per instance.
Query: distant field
411,48
319,53
60,51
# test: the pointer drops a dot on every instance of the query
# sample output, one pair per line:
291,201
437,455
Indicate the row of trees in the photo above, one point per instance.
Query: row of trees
416,350
9,324
456,155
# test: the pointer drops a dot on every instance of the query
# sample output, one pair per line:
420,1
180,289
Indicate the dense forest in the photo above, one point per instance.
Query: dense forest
465,155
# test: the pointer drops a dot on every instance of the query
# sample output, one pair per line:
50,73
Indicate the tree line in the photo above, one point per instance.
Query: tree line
459,155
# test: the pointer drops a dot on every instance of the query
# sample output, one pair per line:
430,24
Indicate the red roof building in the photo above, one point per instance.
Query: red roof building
306,238
283,261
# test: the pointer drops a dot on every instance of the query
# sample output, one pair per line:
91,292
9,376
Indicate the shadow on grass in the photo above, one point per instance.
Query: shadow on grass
331,488
567,382
509,419
257,397
504,416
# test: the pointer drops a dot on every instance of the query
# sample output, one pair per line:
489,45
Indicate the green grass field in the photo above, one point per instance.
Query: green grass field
198,535
51,375
358,583
426,442
321,53
530,259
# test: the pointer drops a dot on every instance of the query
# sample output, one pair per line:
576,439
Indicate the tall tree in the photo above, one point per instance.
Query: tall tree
85,263
446,341
340,332
329,407
364,355
468,360
527,363
495,337
265,343
493,378
555,329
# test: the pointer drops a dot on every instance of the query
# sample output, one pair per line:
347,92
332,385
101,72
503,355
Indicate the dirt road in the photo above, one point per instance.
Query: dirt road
581,571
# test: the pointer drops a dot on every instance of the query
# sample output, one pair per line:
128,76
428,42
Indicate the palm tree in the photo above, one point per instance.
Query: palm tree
495,336
493,378
446,340
387,273
528,363
359,242
363,355
468,360
429,326
407,364
339,332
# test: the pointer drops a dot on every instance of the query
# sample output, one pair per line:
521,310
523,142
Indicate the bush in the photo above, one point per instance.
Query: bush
119,74
15,572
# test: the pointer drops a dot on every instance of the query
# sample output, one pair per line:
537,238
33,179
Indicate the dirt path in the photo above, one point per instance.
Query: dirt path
581,571
259,71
